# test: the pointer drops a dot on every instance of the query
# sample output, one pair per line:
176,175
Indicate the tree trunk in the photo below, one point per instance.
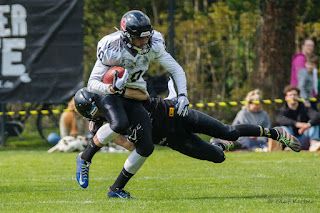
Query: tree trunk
155,12
247,52
196,6
276,47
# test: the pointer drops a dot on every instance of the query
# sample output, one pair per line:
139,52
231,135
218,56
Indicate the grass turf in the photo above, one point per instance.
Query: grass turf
35,181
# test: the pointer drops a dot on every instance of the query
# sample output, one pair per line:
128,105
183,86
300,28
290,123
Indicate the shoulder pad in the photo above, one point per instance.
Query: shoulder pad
157,42
109,49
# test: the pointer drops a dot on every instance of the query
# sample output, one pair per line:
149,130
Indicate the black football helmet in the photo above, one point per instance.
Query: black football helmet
85,104
136,24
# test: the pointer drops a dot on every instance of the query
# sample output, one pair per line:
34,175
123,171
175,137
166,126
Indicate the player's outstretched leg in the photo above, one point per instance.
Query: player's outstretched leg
119,193
288,139
226,145
82,173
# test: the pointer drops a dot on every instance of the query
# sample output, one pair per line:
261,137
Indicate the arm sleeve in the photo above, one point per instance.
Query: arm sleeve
176,71
283,120
298,63
95,83
315,81
302,84
169,63
314,116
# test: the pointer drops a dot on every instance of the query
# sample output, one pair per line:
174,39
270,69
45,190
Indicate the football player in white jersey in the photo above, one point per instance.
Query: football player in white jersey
133,47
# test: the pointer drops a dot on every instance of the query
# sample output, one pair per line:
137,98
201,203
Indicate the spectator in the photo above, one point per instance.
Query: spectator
252,113
305,80
299,59
71,123
300,121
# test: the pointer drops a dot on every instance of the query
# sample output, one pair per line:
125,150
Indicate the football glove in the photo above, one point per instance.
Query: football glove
183,105
119,84
134,134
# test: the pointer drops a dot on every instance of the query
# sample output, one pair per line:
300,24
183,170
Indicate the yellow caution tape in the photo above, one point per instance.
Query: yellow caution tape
199,105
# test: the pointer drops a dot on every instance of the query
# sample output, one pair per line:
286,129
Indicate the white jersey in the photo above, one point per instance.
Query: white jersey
112,52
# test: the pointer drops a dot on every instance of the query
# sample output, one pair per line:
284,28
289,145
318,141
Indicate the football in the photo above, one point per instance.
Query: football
108,76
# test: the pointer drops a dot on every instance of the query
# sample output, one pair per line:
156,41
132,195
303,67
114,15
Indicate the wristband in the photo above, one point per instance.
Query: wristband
182,94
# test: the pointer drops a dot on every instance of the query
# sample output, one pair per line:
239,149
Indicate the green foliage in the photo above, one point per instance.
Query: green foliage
35,181
215,44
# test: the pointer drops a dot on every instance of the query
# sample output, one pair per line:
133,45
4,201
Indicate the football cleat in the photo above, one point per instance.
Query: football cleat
228,145
119,193
82,173
288,139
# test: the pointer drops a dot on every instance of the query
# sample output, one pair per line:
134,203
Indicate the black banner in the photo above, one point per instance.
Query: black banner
41,50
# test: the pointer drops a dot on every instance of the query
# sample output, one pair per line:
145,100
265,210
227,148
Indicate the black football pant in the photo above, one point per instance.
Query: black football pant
121,113
193,146
199,122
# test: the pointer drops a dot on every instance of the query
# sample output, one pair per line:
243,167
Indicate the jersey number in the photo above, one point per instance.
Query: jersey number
100,54
135,76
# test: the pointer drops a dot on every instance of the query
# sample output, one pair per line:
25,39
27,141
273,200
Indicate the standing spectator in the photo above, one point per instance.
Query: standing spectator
299,59
300,121
252,113
305,80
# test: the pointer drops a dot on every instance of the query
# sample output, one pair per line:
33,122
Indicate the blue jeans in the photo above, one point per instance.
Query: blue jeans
250,144
306,137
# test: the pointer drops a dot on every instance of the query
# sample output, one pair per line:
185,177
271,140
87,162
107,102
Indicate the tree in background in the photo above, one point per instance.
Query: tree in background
227,47
276,47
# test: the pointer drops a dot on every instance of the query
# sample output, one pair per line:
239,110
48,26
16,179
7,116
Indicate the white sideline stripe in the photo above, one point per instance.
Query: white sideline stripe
49,202
272,161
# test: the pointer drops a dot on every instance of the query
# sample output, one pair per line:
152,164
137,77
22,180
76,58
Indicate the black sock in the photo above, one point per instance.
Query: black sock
254,130
274,134
248,130
90,151
122,180
270,133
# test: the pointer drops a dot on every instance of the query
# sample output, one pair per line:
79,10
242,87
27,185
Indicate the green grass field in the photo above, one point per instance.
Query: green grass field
34,181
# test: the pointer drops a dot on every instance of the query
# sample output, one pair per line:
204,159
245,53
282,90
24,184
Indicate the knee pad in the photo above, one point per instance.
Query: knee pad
105,134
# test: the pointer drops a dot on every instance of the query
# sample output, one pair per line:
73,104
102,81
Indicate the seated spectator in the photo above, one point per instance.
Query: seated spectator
252,113
305,81
298,120
71,123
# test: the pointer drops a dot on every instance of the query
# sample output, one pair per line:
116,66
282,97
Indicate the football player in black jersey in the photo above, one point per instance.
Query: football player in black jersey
178,133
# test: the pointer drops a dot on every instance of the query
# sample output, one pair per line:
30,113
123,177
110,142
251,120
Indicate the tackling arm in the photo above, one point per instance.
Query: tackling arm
134,94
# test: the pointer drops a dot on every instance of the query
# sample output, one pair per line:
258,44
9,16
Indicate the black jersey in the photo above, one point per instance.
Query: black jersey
159,110
163,117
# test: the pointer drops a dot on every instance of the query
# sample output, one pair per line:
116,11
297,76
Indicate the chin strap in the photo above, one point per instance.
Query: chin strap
134,50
